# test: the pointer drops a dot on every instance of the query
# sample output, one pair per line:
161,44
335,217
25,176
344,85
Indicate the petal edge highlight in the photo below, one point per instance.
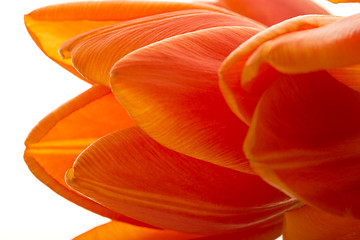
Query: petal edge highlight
173,85
141,179
54,144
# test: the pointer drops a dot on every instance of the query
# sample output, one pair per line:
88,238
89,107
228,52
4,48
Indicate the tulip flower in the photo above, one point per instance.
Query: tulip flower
156,146
296,84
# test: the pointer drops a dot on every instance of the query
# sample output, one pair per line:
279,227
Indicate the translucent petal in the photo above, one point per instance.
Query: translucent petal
330,46
54,144
118,230
304,139
313,224
133,175
173,85
274,11
94,53
52,25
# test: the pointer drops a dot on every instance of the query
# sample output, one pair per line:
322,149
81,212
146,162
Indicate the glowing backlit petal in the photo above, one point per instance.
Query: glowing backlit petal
51,26
93,54
349,75
54,144
230,73
304,138
269,232
130,173
274,11
313,224
331,46
118,230
170,89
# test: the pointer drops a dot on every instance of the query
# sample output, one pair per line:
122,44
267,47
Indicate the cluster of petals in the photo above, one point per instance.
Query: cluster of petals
234,119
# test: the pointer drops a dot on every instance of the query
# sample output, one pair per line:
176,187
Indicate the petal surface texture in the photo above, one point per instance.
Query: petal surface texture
51,26
130,173
304,139
94,53
269,232
54,144
170,89
272,12
231,72
118,230
329,46
313,224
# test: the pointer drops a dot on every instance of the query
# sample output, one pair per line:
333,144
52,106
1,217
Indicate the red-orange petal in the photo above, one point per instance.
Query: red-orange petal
170,89
330,46
131,174
313,224
350,76
118,230
304,138
274,11
52,25
94,53
269,232
230,73
54,144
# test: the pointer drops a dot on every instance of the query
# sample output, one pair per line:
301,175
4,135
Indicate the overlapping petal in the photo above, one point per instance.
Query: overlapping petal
51,26
313,224
54,144
130,173
170,89
331,45
248,63
349,75
272,12
266,232
304,139
178,163
235,61
94,53
118,230
234,81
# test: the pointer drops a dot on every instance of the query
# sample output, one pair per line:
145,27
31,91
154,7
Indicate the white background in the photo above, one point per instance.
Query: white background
32,86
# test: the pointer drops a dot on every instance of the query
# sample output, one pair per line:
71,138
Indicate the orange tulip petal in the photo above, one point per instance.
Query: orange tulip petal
269,232
274,11
304,139
312,224
331,46
230,74
350,76
51,26
93,54
54,144
130,173
119,230
170,89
